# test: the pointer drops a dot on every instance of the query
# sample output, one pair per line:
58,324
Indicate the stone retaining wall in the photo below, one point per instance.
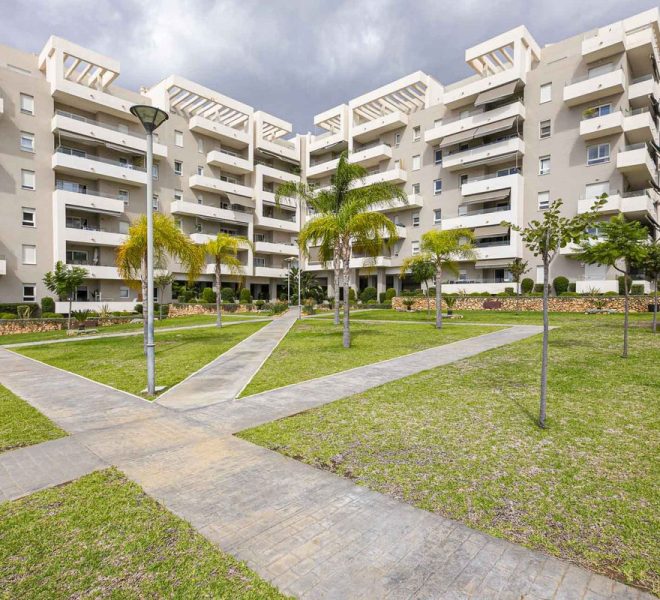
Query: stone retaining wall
10,326
574,304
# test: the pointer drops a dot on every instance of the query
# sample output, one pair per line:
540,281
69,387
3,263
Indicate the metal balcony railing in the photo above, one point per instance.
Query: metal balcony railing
71,115
107,161
587,77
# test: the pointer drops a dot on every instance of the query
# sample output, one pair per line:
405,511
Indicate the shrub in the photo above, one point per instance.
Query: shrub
12,307
622,289
351,295
138,309
527,285
278,308
245,297
368,293
5,315
259,304
570,294
571,287
509,291
230,308
50,315
227,295
24,311
208,295
283,298
408,302
637,289
381,298
538,288
560,284
47,305
611,293
372,301
390,293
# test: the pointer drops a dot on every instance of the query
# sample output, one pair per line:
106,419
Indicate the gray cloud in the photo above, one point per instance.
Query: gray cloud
295,58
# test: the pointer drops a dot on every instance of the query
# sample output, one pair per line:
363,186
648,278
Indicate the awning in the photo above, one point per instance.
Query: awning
492,264
502,125
497,93
284,158
487,196
457,138
490,231
240,200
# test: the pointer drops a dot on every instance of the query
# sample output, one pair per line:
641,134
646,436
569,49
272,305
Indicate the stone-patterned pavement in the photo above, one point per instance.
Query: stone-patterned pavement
311,533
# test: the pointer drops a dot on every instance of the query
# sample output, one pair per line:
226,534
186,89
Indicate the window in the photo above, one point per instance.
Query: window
507,171
76,257
437,156
29,254
437,186
200,199
545,129
545,93
600,70
437,216
179,224
28,217
154,202
539,274
596,190
178,138
123,162
27,141
178,195
124,226
597,111
416,162
599,153
29,294
437,122
200,145
259,261
544,165
122,128
463,180
200,170
178,167
543,200
416,188
154,171
124,292
397,139
415,220
123,195
27,179
417,133
414,248
27,104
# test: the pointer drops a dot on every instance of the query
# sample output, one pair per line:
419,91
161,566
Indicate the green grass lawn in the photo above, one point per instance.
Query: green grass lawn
313,348
103,537
23,425
461,440
15,338
120,362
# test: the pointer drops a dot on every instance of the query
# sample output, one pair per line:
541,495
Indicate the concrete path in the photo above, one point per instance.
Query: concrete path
224,378
311,533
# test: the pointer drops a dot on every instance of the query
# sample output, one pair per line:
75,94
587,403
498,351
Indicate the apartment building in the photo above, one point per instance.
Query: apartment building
571,120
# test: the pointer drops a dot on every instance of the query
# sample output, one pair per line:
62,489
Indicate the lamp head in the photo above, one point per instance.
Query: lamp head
151,117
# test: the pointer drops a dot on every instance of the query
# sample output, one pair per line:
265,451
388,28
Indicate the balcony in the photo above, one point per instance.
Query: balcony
396,175
639,126
289,224
401,232
361,262
235,138
323,142
479,218
285,149
491,183
414,201
371,156
588,89
211,213
320,169
640,89
229,162
477,119
90,201
606,42
103,132
466,92
635,160
269,198
90,99
593,127
219,186
93,237
100,272
495,250
370,130
634,204
63,161
209,269
273,272
492,153
276,248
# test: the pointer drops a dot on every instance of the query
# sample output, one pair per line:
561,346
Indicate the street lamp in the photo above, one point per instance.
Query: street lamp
151,118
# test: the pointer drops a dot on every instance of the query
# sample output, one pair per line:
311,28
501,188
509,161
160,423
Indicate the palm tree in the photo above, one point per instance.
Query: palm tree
169,241
223,249
442,248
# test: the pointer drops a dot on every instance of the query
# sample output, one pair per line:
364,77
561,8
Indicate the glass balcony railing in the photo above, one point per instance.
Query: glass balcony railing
107,161
110,126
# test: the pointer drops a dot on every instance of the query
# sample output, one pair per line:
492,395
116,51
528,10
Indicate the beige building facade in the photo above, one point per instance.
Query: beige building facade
571,120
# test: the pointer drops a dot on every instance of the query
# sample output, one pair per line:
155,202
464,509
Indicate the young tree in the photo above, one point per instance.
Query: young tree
161,281
224,252
651,266
169,240
621,245
64,281
442,248
546,238
309,285
518,267
422,270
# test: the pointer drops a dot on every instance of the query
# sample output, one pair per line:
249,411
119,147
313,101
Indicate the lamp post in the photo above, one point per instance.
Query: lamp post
151,118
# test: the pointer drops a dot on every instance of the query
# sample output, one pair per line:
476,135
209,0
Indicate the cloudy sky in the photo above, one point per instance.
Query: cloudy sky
295,58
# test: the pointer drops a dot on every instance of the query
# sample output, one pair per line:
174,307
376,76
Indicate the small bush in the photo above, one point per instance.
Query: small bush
245,297
390,293
208,295
8,316
230,308
622,286
368,293
527,285
351,295
259,304
227,295
538,288
560,284
47,305
50,315
278,308
372,301
611,293
138,309
571,287
570,294
509,291
283,297
637,289
381,298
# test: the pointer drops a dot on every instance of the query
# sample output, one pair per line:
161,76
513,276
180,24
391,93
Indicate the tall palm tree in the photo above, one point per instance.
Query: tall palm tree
442,248
169,241
223,249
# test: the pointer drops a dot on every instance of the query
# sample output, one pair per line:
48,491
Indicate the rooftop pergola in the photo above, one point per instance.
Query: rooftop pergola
87,73
494,61
271,131
191,103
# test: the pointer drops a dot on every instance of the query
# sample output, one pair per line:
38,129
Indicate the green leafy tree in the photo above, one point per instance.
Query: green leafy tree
545,238
621,245
422,269
518,267
442,248
161,281
64,281
650,263
223,250
309,285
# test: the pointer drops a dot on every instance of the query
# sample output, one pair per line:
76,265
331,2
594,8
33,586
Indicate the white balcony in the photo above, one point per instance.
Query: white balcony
496,252
636,160
595,127
235,138
93,237
276,248
478,119
229,162
101,272
633,204
209,269
415,201
485,154
273,272
401,232
3,266
278,175
606,42
103,132
370,261
219,186
89,202
640,127
90,99
396,175
269,198
370,157
589,89
479,219
285,149
323,142
98,168
273,224
491,183
322,168
640,89
460,94
211,213
372,129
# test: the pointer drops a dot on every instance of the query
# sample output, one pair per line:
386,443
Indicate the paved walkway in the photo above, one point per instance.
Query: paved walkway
311,533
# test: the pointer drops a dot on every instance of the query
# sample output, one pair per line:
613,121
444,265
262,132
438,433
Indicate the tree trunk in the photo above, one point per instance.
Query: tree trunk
654,326
218,305
346,339
438,299
518,296
625,314
68,325
428,301
337,279
544,355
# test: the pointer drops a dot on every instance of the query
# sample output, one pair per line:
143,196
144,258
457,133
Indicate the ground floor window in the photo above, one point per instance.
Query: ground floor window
29,293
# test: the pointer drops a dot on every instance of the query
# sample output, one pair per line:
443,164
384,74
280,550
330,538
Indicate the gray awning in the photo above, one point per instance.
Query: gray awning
284,158
497,93
502,125
241,200
457,138
492,264
490,231
487,196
